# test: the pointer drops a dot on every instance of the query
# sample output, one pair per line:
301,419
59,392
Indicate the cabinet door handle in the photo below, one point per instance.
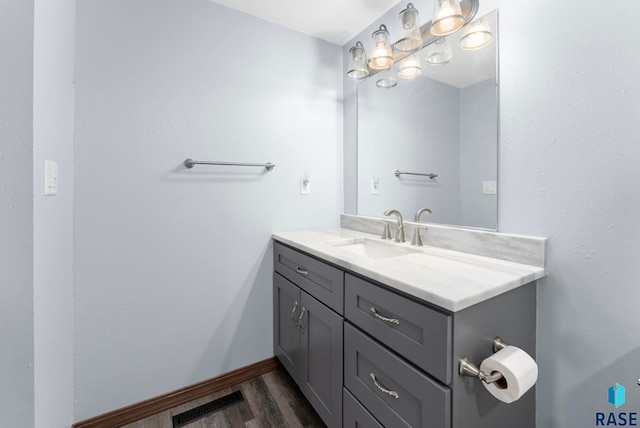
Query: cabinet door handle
300,322
383,389
293,314
302,271
380,317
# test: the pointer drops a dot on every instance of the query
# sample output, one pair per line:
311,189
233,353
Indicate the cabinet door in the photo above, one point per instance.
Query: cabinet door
321,333
286,311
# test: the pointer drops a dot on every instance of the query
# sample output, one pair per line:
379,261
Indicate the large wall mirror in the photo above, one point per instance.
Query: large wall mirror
443,122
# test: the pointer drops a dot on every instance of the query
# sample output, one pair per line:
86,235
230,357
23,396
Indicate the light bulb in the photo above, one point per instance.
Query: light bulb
476,36
447,17
409,68
381,57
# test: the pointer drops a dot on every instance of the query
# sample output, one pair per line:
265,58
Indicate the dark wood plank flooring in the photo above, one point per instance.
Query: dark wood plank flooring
270,400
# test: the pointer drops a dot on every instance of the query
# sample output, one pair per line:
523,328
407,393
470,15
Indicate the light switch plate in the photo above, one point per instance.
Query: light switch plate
489,188
50,178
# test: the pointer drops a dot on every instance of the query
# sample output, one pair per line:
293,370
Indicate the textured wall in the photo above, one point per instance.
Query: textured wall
568,170
16,213
173,266
53,215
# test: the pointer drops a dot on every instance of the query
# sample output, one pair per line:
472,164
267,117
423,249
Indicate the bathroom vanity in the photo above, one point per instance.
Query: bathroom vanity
372,331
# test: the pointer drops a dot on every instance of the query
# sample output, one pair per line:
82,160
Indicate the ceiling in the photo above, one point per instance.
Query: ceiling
336,21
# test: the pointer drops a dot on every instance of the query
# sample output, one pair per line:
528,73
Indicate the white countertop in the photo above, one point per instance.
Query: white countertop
452,280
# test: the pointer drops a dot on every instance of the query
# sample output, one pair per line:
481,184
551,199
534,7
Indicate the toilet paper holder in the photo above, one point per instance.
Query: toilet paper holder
467,368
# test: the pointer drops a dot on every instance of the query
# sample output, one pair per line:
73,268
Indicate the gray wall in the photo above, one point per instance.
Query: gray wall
173,266
16,213
53,215
36,274
568,170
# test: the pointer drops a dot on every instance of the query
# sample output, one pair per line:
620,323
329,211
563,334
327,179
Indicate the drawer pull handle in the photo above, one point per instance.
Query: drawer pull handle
302,271
293,314
380,317
383,389
300,322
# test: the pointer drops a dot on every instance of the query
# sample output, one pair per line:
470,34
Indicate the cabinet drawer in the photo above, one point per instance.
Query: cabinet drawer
418,333
320,280
355,415
396,393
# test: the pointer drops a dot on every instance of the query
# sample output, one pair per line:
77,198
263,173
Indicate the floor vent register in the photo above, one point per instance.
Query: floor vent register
221,403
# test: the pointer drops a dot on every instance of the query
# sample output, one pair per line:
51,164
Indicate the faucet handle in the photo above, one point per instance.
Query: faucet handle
386,234
417,240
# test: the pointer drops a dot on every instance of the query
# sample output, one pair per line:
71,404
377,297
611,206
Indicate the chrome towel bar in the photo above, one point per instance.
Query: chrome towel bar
430,175
189,163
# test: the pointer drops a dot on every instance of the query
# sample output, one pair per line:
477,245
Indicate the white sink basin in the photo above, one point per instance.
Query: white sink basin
374,249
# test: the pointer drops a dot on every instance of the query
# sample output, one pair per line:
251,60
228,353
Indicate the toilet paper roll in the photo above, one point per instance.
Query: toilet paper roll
519,372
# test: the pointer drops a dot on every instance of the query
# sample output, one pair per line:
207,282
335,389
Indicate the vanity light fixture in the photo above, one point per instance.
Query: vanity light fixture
409,67
476,36
381,57
357,63
447,17
410,36
440,52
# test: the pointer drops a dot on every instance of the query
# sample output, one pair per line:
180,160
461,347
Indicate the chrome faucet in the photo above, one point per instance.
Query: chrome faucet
417,240
400,229
422,211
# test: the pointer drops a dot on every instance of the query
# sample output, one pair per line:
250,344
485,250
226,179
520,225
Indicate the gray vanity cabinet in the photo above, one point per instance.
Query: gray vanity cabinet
396,356
308,335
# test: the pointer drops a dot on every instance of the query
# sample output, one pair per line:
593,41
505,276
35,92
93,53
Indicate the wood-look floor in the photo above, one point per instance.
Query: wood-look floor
270,400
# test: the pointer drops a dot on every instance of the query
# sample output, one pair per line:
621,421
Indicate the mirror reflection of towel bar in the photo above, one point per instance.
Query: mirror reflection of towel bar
430,175
189,163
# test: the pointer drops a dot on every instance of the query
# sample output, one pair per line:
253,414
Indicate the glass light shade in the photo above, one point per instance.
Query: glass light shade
357,63
440,52
447,17
409,67
410,36
386,82
381,57
476,35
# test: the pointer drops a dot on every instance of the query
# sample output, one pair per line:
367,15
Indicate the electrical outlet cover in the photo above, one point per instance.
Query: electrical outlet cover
305,186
